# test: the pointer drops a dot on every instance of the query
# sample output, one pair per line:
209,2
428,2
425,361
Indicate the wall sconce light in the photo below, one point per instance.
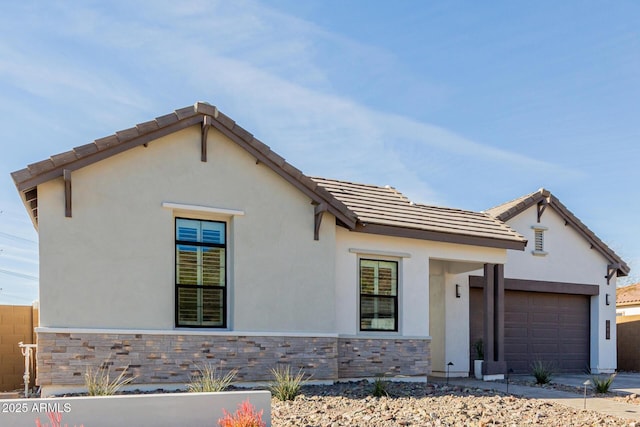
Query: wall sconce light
458,291
607,299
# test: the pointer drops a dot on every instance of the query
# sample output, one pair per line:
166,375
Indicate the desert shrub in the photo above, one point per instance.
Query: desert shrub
245,416
208,380
99,383
542,371
286,385
380,387
602,383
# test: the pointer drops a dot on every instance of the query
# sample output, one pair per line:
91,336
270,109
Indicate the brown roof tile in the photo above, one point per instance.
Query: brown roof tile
101,148
85,150
127,134
149,126
388,207
64,158
41,166
107,142
167,119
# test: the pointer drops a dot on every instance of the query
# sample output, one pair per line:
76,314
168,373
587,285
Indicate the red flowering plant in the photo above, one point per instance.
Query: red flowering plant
55,418
245,416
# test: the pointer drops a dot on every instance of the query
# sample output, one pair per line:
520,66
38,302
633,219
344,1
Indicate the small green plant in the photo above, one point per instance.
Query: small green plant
541,371
478,346
602,383
208,380
286,385
380,387
99,383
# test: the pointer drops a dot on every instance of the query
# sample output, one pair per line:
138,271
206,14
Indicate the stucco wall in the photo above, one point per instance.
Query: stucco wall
112,264
569,259
427,303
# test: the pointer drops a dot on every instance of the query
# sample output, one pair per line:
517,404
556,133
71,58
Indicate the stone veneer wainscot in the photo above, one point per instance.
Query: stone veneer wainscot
161,358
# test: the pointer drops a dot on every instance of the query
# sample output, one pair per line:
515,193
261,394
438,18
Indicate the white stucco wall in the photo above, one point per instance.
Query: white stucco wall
445,320
569,259
628,311
112,264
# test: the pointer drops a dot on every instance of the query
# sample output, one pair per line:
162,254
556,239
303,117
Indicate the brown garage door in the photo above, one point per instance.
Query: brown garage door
541,326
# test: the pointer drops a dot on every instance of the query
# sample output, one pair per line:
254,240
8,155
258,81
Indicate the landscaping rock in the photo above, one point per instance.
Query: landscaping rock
418,404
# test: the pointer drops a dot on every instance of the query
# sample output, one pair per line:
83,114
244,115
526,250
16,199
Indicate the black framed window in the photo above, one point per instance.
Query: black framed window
201,279
378,295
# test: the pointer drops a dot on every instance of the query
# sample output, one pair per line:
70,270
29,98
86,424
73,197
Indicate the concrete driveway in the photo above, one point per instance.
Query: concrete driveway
624,382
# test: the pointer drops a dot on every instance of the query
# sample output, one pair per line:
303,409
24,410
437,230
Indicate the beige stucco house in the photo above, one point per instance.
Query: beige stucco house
185,240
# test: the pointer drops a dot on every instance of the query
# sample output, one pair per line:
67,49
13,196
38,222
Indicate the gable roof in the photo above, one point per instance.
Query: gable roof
508,210
384,210
359,207
628,295
27,179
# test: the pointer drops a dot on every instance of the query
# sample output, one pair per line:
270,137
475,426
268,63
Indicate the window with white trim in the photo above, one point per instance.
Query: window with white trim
378,295
201,291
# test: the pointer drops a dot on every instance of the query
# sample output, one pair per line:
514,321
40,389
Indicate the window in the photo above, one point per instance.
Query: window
201,292
378,295
538,240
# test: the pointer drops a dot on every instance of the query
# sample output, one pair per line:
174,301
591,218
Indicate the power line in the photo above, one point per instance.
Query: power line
21,275
17,238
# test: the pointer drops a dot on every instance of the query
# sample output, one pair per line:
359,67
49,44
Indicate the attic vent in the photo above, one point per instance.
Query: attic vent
538,240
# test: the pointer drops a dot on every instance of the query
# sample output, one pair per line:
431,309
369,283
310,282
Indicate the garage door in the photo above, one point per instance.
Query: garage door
540,326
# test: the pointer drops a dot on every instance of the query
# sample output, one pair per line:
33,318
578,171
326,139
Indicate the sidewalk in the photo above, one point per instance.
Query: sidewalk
572,400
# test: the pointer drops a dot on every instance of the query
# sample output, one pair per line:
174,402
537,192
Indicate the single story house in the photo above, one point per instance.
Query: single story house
185,240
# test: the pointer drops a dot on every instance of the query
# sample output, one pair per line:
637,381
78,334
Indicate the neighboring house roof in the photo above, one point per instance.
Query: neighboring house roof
384,210
544,198
628,295
364,208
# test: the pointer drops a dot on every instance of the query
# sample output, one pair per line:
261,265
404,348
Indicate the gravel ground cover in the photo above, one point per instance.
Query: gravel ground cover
419,404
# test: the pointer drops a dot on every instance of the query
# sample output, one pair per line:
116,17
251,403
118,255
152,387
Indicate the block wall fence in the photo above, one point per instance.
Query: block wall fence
628,340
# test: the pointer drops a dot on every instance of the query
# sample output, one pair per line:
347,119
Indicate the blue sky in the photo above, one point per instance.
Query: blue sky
463,104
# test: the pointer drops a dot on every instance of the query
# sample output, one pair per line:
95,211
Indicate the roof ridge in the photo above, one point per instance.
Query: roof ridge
202,114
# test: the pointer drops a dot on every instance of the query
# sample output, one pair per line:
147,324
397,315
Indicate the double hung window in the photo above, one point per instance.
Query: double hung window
378,295
201,291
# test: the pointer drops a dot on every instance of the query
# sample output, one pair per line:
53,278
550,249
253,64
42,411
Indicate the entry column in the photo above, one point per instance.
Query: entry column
493,299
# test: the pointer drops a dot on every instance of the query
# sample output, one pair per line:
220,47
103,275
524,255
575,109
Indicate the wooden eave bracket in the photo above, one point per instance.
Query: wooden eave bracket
207,122
317,213
542,205
66,174
611,270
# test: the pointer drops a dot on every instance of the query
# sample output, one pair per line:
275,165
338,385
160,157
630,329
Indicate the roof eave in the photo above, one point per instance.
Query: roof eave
29,178
412,233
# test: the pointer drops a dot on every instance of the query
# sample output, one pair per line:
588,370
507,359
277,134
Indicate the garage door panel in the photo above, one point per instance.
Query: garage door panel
537,317
553,328
518,317
514,332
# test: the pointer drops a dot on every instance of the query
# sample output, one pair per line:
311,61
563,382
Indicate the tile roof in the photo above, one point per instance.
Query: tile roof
628,295
355,206
386,206
27,179
508,210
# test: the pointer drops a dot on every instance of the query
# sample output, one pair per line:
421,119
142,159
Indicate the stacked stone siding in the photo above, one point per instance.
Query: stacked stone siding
370,357
63,358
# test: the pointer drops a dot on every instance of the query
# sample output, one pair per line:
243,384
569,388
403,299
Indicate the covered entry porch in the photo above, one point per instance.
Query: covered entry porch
449,317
